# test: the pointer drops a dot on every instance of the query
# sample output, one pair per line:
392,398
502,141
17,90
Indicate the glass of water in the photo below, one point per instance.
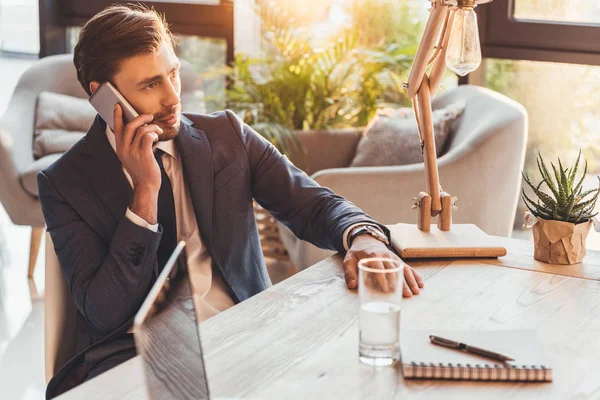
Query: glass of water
380,282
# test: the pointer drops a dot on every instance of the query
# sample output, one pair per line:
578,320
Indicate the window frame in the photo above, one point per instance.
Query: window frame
504,36
214,21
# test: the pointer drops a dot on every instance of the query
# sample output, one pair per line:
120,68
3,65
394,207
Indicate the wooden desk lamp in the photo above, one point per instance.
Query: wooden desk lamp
453,23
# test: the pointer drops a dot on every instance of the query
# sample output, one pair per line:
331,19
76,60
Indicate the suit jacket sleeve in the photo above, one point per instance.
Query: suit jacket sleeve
314,213
108,281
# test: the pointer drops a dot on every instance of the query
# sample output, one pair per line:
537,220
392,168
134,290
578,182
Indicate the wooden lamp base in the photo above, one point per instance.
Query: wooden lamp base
462,241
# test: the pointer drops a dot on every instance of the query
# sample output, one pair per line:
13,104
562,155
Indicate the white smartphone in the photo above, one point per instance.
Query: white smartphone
104,100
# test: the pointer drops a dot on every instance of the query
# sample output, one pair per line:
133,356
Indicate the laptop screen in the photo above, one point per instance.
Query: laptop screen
167,337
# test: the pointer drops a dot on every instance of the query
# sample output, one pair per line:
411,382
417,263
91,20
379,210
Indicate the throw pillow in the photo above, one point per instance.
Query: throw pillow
60,121
392,137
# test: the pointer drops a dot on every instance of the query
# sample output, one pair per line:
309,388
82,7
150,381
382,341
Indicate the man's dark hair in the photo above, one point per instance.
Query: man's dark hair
114,34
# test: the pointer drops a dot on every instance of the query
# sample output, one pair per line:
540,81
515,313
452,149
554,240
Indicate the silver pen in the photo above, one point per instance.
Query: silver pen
469,349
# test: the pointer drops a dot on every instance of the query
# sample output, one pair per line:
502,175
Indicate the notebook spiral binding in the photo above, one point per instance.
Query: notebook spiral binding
478,372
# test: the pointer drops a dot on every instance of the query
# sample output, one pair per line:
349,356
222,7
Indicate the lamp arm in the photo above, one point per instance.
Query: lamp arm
419,84
425,125
421,88
439,64
443,34
432,30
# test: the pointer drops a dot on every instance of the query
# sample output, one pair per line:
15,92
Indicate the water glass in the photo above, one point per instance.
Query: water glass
380,282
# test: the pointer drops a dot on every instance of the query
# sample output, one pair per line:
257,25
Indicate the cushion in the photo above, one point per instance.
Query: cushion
60,121
392,137
318,145
29,176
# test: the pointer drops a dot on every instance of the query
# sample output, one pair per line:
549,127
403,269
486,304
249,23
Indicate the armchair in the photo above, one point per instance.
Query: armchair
18,168
481,166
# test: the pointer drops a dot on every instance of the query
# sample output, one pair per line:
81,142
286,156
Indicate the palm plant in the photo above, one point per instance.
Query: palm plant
387,21
567,202
298,86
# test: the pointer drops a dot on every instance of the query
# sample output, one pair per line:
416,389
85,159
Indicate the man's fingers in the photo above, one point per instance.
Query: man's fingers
144,133
392,277
128,137
411,280
380,277
150,128
121,146
351,271
140,120
118,119
147,140
420,281
408,280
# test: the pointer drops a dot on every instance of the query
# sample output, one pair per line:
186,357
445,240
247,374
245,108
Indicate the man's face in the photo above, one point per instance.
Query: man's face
151,84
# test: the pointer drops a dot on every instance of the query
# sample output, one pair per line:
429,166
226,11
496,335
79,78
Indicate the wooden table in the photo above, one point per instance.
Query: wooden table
299,339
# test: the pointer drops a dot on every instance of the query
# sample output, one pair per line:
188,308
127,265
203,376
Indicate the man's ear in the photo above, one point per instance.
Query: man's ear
94,86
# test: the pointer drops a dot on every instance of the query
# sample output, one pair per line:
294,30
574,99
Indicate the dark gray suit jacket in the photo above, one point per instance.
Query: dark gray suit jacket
109,263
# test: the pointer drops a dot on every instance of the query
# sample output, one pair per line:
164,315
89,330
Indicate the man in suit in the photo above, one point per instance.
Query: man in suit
118,201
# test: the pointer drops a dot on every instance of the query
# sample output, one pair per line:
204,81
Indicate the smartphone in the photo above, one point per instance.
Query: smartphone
104,100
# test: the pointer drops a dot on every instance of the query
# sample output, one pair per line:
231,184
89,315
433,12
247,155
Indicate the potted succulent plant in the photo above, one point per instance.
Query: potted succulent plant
562,218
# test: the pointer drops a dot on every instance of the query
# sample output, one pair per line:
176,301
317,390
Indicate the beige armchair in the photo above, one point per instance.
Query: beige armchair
481,166
18,168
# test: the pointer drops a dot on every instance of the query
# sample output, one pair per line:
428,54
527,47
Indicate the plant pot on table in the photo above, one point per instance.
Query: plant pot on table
559,242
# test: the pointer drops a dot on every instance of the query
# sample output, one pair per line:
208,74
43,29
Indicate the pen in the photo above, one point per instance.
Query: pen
469,349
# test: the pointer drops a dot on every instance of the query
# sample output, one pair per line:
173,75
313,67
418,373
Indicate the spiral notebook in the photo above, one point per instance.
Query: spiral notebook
423,360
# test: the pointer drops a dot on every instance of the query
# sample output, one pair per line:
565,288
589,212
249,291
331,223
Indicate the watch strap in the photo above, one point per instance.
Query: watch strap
369,229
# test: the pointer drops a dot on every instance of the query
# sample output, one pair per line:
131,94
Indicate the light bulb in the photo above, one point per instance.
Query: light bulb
464,50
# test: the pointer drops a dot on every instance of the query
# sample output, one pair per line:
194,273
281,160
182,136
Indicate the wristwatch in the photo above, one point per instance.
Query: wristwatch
369,230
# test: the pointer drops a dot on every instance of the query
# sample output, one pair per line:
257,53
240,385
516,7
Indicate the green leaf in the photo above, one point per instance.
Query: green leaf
590,202
570,206
544,171
536,209
579,185
561,193
586,193
564,182
545,198
574,172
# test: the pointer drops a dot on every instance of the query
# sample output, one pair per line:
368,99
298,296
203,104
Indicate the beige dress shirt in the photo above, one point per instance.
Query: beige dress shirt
209,290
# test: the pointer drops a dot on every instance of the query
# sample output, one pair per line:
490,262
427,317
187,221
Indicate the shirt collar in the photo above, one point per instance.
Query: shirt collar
168,146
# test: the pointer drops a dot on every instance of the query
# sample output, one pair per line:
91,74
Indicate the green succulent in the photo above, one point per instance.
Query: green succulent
567,201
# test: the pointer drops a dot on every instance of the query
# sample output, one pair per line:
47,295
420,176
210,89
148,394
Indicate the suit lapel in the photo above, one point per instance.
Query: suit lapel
196,157
104,170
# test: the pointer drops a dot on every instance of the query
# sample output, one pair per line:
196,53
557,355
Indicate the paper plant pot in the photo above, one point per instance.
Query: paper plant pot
559,242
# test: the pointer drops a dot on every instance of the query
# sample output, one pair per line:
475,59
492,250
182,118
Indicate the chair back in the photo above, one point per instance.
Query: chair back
486,112
59,316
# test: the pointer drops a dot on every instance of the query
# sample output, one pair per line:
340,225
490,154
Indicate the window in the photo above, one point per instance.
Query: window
19,28
575,11
545,55
207,57
195,18
205,2
562,102
541,30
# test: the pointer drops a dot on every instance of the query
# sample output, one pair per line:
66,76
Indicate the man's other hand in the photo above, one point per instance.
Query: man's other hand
365,246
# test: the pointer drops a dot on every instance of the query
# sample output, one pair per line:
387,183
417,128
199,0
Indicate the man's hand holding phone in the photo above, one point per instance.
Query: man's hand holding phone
134,149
